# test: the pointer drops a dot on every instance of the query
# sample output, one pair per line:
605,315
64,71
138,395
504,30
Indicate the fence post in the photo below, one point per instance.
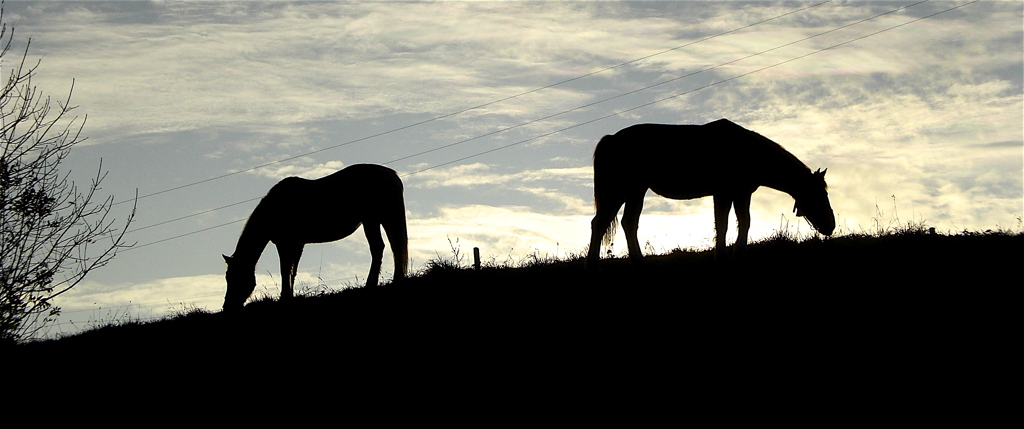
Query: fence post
476,258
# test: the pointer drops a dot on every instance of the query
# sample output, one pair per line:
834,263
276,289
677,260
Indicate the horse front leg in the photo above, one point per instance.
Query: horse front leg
597,227
722,205
742,205
289,255
373,237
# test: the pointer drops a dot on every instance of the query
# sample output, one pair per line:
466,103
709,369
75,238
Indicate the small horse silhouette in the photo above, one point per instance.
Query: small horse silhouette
720,159
298,211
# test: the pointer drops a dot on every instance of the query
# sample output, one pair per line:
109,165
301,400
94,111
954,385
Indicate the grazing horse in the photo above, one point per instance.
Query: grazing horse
720,159
298,211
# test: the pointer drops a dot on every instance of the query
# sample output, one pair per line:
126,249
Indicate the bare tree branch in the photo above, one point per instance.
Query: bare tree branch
50,228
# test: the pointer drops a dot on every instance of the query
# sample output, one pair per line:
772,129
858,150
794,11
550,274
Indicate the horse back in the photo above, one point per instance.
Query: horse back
353,183
333,206
680,161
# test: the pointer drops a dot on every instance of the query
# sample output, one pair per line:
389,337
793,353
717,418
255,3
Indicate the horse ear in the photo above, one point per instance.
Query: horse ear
227,259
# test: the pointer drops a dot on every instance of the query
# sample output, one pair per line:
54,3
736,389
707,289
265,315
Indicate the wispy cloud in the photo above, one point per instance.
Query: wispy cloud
924,120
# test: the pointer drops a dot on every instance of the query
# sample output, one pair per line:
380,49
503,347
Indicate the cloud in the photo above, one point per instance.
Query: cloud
196,65
96,304
509,231
930,113
475,174
304,169
522,187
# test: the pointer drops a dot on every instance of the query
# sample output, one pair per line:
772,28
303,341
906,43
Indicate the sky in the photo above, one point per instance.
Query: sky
490,111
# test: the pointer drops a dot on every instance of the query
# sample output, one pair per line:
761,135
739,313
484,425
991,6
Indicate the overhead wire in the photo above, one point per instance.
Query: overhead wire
447,115
139,246
453,114
621,111
683,93
199,213
646,87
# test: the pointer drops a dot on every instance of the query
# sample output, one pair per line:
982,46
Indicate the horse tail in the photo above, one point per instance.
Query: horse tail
609,234
604,184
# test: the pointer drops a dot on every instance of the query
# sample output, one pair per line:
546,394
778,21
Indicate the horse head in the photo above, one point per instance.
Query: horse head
241,283
812,203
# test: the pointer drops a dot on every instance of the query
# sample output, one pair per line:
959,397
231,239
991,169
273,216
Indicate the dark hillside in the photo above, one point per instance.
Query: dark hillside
843,311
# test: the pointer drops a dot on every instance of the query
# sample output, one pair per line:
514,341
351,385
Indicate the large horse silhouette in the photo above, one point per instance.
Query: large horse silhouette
719,159
298,211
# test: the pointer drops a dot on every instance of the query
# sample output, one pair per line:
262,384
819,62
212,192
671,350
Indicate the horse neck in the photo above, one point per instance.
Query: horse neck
785,173
251,243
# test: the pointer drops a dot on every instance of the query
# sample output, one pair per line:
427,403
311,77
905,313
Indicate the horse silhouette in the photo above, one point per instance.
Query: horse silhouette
298,211
720,159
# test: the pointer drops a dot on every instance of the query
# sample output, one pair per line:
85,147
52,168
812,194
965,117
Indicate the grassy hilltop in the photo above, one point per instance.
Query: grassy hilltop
780,273
905,304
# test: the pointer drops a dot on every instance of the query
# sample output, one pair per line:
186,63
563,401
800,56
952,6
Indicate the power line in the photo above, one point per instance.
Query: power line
647,87
634,91
200,213
636,107
182,235
469,109
697,89
447,115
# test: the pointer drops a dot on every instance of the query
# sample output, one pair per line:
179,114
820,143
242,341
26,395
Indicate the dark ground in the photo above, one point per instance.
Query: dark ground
881,320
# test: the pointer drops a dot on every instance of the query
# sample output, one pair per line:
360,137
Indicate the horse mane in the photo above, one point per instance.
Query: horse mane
765,143
254,236
252,240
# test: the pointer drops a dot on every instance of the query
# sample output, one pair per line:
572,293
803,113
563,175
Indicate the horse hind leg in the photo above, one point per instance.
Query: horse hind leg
398,237
373,237
630,226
